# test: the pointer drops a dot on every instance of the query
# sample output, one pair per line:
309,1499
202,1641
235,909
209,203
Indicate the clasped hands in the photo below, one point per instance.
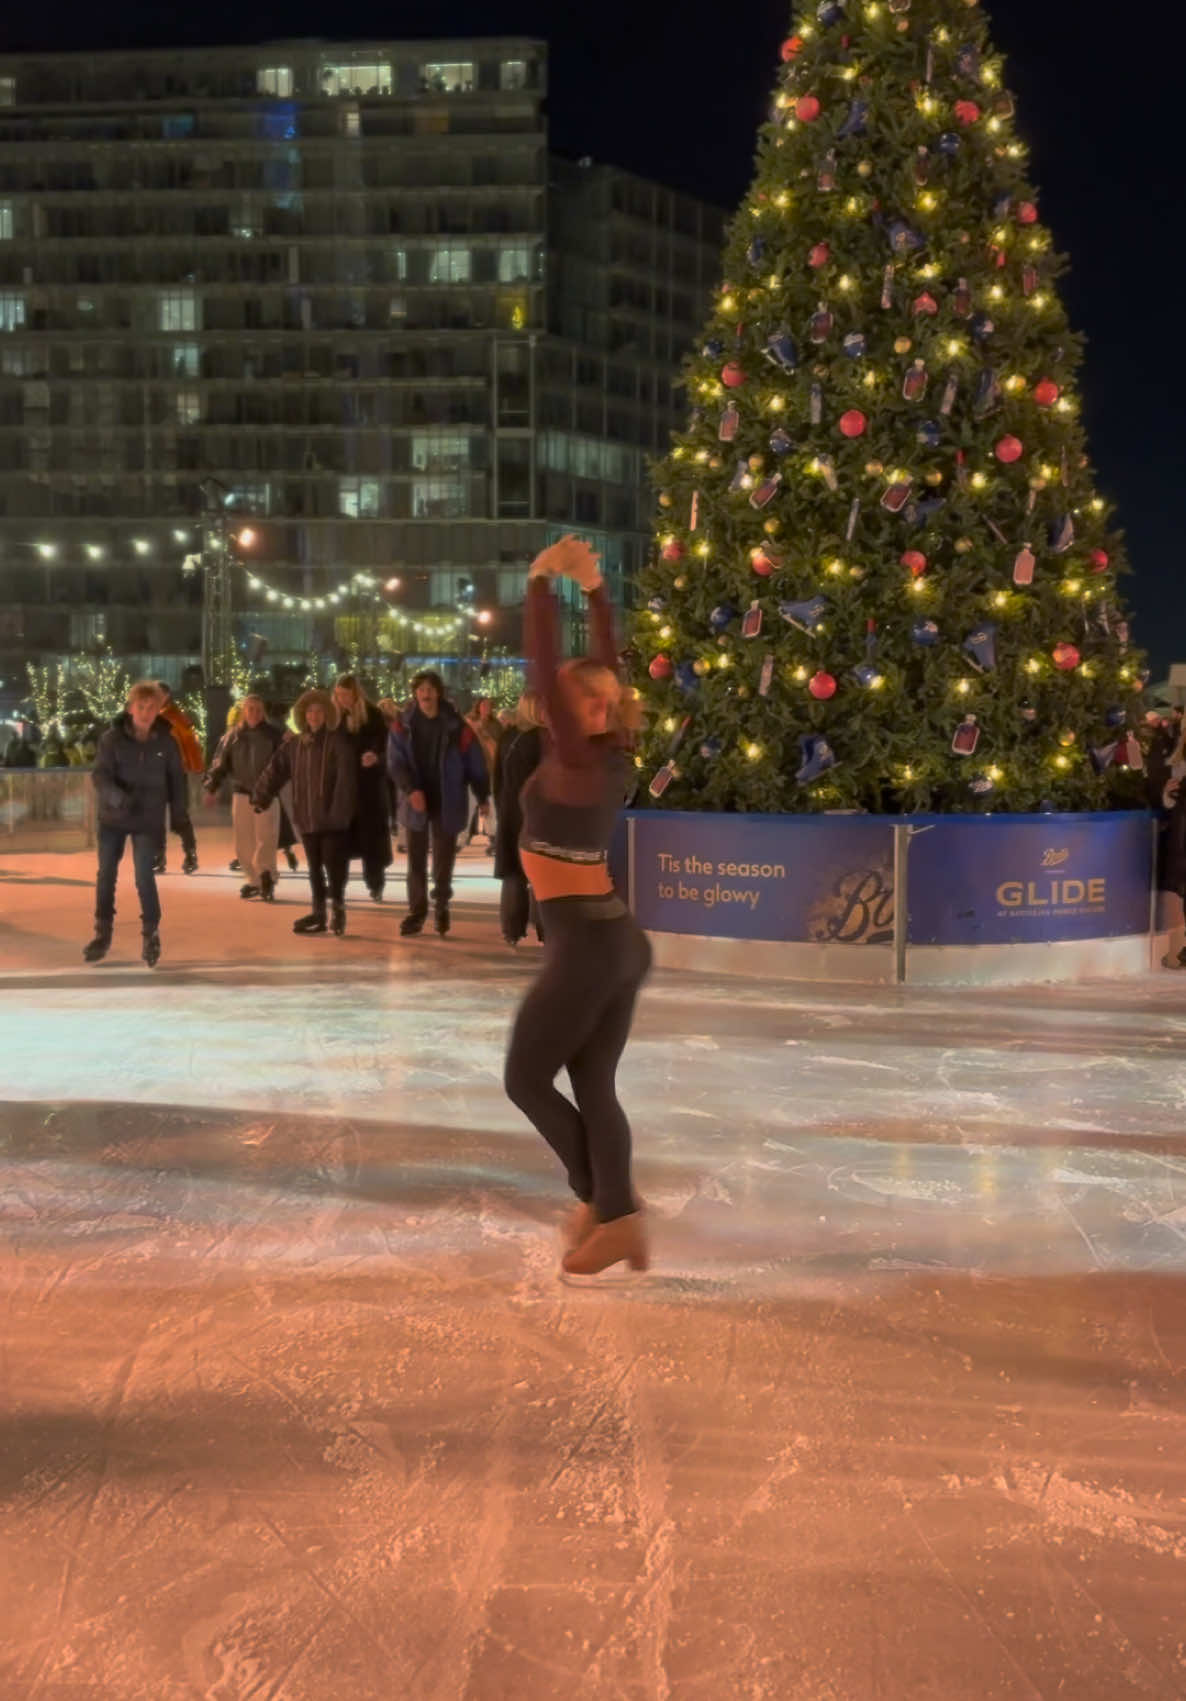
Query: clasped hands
571,558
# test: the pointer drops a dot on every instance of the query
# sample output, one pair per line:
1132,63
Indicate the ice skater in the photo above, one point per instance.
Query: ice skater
242,755
370,831
137,776
578,1013
517,758
434,761
189,751
320,763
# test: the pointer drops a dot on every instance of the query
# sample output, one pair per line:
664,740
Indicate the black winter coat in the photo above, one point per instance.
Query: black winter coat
518,758
243,755
370,836
135,778
322,767
1172,873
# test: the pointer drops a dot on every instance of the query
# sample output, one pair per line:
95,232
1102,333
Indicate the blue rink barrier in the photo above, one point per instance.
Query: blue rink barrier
938,897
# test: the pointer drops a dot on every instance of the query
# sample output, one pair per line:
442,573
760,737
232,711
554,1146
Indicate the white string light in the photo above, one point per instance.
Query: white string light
362,585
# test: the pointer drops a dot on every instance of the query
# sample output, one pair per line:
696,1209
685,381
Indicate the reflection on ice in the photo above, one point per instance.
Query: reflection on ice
295,1408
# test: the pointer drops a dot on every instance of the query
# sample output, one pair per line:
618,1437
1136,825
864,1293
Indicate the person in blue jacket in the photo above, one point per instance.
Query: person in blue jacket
434,760
137,775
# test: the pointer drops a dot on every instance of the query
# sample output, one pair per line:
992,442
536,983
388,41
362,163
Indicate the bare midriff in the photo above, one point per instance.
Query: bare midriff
550,877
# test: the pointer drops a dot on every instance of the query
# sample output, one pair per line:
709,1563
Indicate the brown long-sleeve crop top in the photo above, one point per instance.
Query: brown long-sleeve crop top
572,801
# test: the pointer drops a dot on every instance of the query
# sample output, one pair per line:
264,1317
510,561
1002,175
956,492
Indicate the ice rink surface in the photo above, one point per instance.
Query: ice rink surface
294,1408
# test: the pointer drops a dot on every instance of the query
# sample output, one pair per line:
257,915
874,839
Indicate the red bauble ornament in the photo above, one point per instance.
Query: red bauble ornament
761,563
673,551
1009,449
1027,213
807,109
791,48
820,255
660,668
916,561
1100,561
967,111
1046,392
732,375
924,303
1066,657
853,423
822,686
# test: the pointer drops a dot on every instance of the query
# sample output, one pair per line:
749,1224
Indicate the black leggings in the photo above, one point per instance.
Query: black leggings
327,855
577,1017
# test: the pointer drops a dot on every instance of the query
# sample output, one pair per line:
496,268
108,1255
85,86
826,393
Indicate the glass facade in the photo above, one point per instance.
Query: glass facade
350,285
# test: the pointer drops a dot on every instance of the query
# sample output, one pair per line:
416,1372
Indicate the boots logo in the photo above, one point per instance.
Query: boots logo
1053,893
856,909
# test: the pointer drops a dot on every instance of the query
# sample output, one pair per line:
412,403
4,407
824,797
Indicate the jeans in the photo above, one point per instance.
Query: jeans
444,855
328,855
144,854
577,1017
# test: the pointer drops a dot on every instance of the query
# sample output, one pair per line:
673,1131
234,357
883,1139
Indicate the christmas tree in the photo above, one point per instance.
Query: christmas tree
883,578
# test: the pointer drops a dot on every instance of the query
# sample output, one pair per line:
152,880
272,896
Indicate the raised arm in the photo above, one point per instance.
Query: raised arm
543,672
603,643
568,559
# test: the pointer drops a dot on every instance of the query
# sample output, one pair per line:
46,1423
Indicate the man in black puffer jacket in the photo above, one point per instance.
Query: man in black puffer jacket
242,756
321,763
137,773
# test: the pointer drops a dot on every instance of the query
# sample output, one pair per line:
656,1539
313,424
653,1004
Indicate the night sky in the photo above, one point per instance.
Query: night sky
677,91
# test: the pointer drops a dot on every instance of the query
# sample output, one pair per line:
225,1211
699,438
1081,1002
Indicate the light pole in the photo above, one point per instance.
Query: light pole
217,633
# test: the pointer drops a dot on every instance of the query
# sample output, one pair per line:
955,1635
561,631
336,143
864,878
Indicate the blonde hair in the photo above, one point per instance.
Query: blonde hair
144,690
356,714
595,680
529,711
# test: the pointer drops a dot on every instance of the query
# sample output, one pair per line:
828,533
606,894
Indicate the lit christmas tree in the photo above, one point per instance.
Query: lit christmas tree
883,578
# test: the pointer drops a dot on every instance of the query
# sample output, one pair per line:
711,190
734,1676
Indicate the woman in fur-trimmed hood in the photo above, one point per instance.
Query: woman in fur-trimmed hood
320,761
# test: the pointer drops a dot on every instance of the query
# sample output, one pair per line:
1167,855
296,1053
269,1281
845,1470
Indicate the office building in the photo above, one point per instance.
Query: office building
336,302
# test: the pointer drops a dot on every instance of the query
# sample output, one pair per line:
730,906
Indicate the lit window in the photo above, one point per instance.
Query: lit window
7,91
347,79
177,310
439,498
358,498
512,74
189,407
246,220
456,77
351,121
514,262
449,263
251,498
400,262
12,312
187,360
274,80
437,452
5,221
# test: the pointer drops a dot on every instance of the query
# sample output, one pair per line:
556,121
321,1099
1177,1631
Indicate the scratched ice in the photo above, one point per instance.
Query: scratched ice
295,1409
